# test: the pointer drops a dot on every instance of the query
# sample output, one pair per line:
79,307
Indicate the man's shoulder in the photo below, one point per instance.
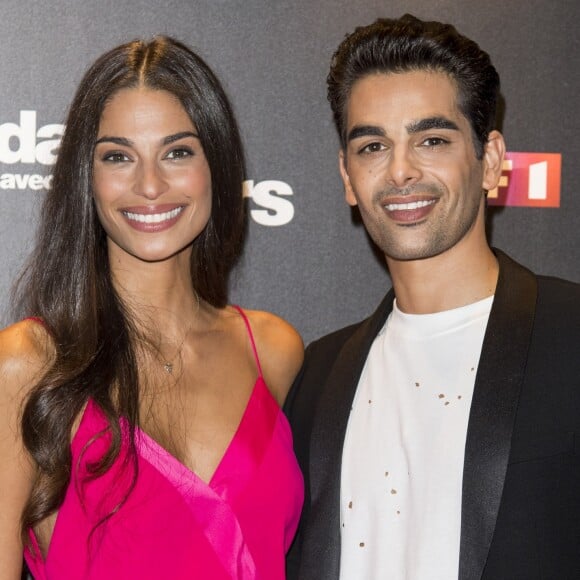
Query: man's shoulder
557,304
365,330
559,301
320,357
553,292
559,286
333,341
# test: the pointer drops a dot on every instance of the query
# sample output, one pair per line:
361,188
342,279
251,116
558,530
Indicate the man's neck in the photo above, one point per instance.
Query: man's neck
460,276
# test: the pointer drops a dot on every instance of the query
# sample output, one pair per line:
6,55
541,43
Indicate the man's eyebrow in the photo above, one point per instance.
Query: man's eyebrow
365,131
431,123
415,127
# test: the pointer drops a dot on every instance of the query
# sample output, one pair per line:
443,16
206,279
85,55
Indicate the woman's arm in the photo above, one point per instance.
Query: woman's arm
22,363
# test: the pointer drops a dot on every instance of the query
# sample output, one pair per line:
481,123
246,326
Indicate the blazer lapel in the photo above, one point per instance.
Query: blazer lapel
495,399
321,547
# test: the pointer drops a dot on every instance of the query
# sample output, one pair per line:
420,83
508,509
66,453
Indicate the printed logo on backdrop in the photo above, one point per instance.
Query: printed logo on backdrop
529,180
23,145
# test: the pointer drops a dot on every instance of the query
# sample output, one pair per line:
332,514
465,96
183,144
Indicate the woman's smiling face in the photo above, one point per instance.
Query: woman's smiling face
151,180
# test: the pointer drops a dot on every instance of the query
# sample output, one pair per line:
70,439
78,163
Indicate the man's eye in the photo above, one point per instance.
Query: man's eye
434,142
372,148
180,153
115,157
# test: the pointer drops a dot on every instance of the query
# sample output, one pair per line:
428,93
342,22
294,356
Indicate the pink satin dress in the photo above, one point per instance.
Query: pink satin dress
172,525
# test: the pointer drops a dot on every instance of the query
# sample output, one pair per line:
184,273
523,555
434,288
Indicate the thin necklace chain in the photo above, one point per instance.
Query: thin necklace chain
168,365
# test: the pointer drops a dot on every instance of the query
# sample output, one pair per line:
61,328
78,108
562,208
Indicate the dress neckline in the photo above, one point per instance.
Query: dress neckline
161,458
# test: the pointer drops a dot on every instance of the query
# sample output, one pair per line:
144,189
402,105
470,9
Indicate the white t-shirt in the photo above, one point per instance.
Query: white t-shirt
402,463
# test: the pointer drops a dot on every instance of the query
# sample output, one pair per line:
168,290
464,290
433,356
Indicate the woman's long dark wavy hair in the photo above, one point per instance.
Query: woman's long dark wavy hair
68,281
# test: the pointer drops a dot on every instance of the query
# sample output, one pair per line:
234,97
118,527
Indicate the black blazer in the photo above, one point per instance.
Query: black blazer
520,515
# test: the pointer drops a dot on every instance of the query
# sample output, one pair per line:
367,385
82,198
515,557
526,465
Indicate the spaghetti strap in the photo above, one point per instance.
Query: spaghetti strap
253,343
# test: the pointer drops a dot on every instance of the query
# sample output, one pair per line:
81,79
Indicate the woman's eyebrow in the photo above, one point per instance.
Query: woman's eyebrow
177,136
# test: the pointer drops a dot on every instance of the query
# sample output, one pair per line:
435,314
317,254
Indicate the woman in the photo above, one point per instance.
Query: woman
138,438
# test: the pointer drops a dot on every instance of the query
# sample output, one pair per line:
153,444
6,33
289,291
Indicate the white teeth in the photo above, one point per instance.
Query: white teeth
408,206
153,218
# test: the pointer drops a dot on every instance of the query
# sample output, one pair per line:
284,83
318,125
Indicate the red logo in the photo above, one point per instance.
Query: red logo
529,180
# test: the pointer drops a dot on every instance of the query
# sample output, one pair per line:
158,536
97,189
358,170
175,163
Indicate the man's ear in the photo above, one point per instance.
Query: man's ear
493,156
348,191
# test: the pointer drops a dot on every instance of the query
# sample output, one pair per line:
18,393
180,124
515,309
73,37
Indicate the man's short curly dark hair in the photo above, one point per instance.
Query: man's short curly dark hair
409,44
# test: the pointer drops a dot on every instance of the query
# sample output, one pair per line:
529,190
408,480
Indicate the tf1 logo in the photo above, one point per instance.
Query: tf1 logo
529,180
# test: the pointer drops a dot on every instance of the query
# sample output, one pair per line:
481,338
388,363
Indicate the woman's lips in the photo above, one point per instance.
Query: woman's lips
152,218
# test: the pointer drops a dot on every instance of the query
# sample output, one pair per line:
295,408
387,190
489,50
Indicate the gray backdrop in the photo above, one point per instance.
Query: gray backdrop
306,257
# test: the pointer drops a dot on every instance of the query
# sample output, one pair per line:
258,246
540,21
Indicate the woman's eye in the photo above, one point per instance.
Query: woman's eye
180,153
115,157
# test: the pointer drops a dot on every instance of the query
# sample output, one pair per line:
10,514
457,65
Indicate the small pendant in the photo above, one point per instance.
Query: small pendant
168,367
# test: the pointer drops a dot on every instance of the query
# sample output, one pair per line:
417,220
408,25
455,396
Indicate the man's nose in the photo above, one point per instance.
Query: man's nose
403,166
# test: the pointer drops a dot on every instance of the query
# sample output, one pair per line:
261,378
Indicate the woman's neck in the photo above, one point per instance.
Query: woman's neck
159,295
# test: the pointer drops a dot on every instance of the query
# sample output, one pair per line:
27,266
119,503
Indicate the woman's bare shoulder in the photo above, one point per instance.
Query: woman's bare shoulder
25,352
280,349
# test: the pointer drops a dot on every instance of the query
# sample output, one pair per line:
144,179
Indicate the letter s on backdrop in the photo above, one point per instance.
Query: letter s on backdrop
268,195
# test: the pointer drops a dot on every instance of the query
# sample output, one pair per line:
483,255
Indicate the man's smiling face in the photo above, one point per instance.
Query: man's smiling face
410,163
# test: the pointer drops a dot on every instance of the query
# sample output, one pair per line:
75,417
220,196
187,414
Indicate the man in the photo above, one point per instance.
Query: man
440,437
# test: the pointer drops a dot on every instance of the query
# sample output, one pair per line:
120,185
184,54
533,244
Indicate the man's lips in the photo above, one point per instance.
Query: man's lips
409,205
409,210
